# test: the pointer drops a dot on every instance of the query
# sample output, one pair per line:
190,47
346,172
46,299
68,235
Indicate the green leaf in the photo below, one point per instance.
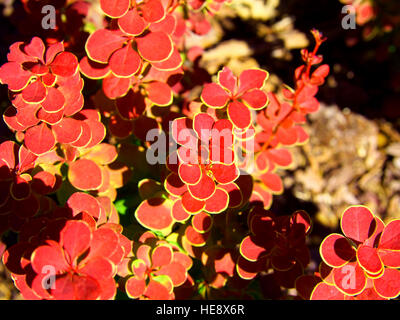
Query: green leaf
121,206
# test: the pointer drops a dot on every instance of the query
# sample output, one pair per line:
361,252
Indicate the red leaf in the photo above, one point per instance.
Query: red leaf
98,268
72,107
20,187
64,64
135,287
68,130
76,287
85,136
252,79
156,291
142,125
10,118
174,185
190,174
75,238
159,93
388,285
155,46
175,271
247,269
214,96
105,242
138,266
390,258
195,238
281,157
92,69
218,202
336,250
115,8
369,259
250,250
182,132
17,55
50,117
102,43
83,202
161,256
8,152
35,48
202,222
170,64
225,173
154,214
191,204
182,259
178,212
125,62
39,139
203,124
115,87
204,189
227,79
132,23
85,174
369,294
153,10
52,51
102,153
358,223
49,256
98,132
301,218
273,182
323,291
35,92
54,101
239,114
43,182
255,99
120,128
12,74
167,24
390,238
26,159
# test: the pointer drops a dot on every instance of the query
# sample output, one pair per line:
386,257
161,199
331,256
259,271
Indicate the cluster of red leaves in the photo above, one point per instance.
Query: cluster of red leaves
21,186
361,265
72,252
277,242
46,98
140,37
156,269
279,125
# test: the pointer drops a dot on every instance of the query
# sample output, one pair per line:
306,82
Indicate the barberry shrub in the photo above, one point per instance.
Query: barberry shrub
132,174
